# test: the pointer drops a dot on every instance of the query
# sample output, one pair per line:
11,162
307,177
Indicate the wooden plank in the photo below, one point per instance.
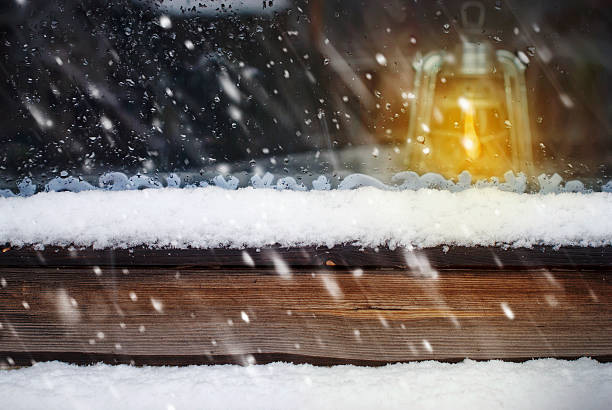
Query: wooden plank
193,315
339,256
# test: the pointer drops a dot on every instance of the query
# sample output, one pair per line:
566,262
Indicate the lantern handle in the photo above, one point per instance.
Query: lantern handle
472,25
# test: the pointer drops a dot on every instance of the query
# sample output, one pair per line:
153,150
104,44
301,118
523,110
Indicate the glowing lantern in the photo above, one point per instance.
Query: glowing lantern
470,111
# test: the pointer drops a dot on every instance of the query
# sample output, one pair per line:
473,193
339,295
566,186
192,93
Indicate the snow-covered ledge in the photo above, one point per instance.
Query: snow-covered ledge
541,384
212,217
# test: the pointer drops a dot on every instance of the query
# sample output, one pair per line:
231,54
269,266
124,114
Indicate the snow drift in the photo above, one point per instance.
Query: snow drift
537,384
213,217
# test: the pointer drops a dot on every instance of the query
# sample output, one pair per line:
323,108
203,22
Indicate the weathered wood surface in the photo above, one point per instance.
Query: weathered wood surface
162,315
339,256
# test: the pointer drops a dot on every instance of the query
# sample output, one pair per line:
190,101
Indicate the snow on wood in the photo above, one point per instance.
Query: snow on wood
213,217
537,384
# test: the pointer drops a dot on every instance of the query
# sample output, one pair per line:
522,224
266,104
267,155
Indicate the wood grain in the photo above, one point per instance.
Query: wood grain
339,257
195,315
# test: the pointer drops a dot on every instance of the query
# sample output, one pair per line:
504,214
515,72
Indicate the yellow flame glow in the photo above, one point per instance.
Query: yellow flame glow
470,140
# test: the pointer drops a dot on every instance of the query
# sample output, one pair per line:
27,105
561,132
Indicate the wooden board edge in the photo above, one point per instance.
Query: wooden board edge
10,360
338,257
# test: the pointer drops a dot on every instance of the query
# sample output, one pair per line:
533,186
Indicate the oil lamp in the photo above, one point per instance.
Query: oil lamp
470,110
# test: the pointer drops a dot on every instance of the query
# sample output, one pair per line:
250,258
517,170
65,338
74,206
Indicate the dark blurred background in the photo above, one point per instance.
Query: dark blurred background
291,87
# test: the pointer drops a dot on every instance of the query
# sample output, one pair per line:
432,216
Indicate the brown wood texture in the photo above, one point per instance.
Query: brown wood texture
162,315
340,256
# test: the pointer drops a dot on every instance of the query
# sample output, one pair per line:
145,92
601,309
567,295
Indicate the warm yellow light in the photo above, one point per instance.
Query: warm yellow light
464,103
470,140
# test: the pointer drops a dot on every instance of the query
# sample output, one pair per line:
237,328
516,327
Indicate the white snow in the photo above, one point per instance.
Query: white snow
247,217
538,384
406,180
